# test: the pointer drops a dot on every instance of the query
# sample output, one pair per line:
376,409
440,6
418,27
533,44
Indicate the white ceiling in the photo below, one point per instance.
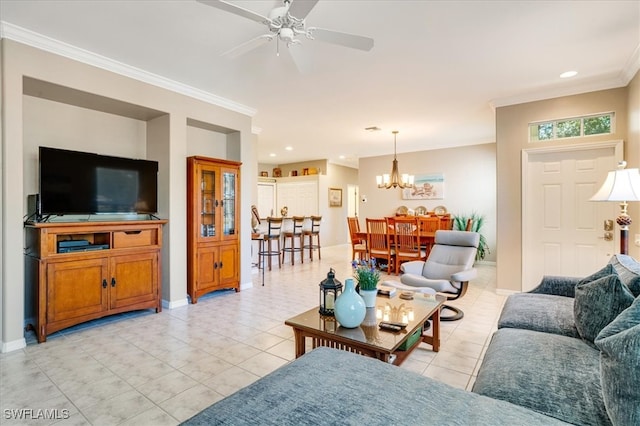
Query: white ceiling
435,73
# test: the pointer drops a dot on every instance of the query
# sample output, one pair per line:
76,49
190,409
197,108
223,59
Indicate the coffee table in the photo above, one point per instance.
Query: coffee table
368,339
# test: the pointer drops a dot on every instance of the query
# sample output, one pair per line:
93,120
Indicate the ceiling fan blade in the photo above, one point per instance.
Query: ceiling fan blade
344,39
247,46
301,8
232,8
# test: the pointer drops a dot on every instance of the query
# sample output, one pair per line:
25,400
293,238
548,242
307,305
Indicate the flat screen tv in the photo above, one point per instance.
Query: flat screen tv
74,182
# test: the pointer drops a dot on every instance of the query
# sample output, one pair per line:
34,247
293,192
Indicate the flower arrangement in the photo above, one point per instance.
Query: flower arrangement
366,274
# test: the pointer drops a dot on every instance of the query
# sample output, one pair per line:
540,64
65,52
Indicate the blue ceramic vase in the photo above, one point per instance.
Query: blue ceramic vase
349,308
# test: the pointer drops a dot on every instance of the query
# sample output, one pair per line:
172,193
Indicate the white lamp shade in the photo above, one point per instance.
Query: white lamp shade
620,185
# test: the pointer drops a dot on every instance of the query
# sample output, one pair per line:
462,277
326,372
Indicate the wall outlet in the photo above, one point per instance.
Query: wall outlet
636,240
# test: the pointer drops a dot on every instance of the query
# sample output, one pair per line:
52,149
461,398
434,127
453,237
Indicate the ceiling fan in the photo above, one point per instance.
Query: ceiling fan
285,23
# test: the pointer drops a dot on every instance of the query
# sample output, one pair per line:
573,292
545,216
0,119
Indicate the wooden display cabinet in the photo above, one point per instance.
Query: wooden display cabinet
114,268
213,206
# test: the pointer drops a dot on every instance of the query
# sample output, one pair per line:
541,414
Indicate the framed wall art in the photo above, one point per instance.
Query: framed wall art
335,197
426,187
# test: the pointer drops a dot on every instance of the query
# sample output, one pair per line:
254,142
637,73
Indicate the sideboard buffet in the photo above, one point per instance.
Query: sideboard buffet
86,270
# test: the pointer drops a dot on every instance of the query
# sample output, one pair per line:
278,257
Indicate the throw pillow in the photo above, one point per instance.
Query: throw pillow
608,269
597,303
628,269
619,344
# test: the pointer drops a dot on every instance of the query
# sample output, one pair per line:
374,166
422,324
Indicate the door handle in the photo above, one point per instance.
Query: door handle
608,225
104,283
113,282
608,236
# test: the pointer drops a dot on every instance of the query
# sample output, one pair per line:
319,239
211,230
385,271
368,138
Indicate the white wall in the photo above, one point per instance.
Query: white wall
206,143
59,125
470,184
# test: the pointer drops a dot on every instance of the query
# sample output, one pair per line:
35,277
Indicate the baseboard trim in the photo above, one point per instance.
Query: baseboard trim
14,345
175,304
244,286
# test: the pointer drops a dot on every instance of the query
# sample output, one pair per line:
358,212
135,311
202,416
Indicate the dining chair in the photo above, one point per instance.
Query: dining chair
446,222
379,241
358,243
428,226
406,241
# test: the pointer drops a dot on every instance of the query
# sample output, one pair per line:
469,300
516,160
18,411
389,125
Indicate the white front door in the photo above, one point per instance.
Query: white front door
563,232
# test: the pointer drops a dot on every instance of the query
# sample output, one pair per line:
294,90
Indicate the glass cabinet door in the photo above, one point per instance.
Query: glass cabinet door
228,203
208,203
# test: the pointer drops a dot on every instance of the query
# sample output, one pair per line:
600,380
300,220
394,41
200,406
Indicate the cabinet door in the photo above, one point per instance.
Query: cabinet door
76,288
133,279
229,204
228,261
207,268
208,202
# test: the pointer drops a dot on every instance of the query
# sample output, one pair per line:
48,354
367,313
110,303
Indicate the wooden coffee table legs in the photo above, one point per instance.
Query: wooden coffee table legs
434,339
300,342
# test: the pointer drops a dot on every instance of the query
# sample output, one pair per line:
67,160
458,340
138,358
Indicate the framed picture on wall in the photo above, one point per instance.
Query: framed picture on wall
335,197
426,187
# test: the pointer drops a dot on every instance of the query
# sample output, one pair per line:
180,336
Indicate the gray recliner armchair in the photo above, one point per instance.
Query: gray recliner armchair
447,270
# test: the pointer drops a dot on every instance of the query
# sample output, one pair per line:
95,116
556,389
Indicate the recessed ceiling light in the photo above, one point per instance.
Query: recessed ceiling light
272,155
342,157
568,74
289,148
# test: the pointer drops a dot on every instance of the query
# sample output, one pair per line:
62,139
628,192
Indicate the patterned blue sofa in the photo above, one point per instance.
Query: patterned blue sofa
570,348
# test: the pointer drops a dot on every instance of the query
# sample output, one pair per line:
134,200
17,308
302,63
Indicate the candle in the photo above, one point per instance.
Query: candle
330,301
411,317
378,313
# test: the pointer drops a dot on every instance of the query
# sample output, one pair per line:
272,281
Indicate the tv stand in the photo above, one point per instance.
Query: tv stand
79,271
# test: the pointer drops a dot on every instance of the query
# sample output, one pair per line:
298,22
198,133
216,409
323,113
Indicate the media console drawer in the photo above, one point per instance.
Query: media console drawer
135,238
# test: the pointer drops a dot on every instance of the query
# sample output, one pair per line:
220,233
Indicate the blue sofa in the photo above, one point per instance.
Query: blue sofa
570,348
531,375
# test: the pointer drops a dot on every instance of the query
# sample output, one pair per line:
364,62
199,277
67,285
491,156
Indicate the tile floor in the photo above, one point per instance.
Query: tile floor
144,368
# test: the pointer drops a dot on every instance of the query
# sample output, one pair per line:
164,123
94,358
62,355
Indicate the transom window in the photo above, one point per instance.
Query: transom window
572,127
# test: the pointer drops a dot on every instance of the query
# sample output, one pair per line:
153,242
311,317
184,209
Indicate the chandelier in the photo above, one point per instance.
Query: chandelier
395,180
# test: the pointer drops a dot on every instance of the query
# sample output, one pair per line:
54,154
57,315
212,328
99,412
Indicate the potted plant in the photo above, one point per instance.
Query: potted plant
367,276
477,221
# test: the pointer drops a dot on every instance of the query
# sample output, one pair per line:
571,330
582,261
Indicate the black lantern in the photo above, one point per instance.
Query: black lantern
330,289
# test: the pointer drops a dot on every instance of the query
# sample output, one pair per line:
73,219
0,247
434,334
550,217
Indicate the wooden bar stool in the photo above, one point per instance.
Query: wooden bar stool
311,233
272,236
291,236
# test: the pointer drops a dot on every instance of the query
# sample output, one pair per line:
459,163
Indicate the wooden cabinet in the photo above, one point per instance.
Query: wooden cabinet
213,205
83,271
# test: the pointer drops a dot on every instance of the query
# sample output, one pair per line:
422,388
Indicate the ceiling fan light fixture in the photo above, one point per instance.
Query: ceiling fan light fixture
286,23
395,179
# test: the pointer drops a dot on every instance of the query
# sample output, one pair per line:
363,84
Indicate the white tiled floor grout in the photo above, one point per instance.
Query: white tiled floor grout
160,369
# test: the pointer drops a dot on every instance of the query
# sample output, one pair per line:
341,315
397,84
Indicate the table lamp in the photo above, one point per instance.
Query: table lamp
621,185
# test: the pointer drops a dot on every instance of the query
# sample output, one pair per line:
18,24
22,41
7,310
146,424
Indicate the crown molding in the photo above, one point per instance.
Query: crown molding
585,85
39,41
